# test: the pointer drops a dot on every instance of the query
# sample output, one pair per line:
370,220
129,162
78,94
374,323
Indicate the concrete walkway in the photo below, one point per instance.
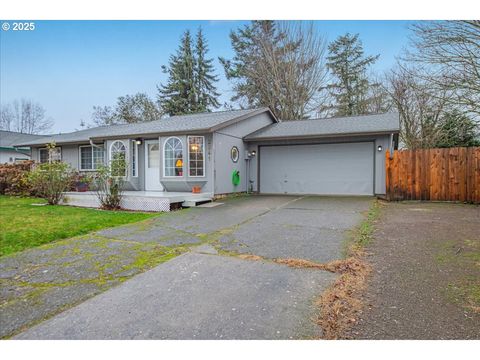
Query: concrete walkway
209,293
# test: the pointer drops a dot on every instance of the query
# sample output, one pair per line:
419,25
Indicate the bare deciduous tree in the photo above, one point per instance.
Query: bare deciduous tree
280,65
379,100
297,69
128,109
420,107
24,116
448,52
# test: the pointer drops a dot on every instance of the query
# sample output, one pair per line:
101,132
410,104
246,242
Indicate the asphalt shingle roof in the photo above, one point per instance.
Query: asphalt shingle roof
174,124
10,138
365,124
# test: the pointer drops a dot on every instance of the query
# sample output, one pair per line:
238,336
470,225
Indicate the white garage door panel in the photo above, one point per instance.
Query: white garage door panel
327,169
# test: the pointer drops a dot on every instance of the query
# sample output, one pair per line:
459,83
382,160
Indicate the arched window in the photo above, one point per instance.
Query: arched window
173,157
118,159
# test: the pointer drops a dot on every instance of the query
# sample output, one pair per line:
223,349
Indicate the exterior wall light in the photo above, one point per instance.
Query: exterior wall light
138,141
252,153
379,148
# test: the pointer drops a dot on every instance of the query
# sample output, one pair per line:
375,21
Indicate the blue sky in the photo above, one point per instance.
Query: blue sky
70,66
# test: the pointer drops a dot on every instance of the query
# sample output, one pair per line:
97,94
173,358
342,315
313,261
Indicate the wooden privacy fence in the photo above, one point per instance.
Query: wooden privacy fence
451,174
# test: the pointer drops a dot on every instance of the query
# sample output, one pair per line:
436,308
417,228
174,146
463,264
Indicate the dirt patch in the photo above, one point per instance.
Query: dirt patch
425,282
462,255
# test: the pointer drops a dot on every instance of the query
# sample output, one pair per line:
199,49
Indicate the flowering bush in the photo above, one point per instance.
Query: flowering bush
14,178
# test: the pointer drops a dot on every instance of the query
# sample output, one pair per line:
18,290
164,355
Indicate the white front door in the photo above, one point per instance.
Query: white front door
152,166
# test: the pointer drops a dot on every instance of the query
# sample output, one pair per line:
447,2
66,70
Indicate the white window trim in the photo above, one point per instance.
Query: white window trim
126,158
44,148
163,157
203,153
80,157
135,153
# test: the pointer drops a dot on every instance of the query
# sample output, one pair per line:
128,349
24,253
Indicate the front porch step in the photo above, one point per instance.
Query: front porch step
195,202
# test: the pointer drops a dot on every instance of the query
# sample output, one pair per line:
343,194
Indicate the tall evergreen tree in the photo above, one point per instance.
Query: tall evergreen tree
457,130
189,87
349,65
207,96
178,95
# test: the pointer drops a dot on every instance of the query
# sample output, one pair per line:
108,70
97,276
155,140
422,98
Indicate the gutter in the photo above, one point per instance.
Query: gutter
317,136
152,135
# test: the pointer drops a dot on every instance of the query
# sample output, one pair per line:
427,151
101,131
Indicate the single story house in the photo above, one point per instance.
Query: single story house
237,151
9,154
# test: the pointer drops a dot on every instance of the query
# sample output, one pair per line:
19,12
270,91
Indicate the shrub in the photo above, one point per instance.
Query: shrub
50,180
109,189
14,178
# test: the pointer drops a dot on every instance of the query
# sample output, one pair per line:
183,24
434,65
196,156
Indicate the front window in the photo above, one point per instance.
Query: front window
118,159
46,155
91,157
196,159
173,157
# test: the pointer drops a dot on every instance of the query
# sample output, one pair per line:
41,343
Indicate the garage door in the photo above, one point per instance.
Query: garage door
327,169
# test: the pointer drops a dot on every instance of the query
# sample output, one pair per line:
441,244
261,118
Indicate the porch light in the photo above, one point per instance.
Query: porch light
138,141
252,153
379,148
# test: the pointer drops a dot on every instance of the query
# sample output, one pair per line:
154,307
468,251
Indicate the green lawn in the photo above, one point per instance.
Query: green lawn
24,225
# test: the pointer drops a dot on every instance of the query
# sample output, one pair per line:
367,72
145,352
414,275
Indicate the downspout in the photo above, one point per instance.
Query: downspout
391,147
247,177
91,143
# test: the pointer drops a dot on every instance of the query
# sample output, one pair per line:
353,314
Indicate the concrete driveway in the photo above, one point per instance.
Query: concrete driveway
209,292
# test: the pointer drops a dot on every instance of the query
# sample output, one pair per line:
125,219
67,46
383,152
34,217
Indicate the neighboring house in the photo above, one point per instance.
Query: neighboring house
341,156
10,154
